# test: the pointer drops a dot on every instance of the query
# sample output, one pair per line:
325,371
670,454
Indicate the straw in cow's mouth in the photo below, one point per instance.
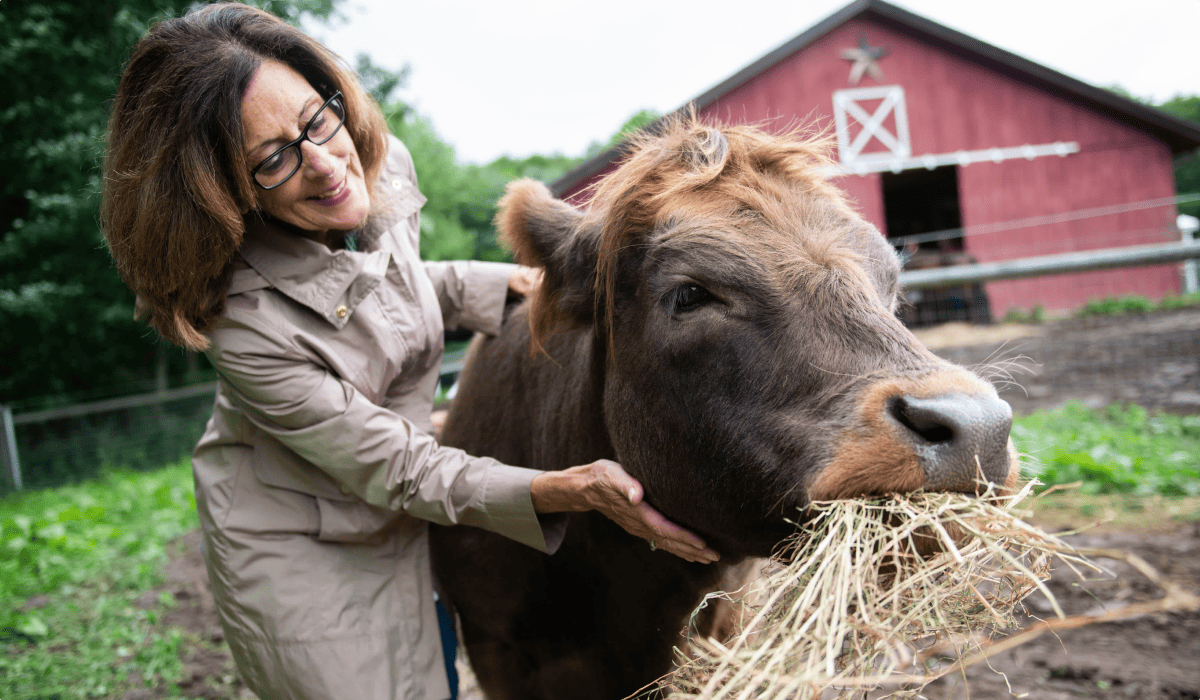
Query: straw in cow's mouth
862,604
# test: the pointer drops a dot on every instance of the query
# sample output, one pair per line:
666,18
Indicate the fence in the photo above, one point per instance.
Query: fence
44,448
1154,361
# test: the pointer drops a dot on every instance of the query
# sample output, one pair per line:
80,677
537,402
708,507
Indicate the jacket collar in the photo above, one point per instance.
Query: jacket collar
397,196
330,282
312,274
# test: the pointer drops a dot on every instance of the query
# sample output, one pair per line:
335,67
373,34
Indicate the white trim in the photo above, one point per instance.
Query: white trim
882,162
847,102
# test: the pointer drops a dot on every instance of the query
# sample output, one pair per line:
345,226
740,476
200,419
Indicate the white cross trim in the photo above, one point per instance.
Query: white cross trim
846,104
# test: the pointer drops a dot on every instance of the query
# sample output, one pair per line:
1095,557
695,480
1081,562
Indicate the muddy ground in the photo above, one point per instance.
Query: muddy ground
1153,360
1148,359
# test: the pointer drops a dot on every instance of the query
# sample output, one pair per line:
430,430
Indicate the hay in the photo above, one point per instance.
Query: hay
887,595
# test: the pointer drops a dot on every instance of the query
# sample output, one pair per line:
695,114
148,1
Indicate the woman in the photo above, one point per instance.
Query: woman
255,203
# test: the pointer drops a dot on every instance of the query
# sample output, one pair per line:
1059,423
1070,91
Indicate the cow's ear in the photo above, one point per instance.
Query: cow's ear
546,232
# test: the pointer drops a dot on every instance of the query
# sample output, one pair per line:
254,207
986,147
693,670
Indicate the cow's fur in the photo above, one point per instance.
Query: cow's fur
721,323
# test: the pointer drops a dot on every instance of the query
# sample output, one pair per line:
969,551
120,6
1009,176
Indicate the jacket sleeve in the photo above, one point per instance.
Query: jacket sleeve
370,450
471,293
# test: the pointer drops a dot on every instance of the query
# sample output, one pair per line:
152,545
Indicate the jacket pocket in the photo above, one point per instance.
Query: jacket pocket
355,522
277,466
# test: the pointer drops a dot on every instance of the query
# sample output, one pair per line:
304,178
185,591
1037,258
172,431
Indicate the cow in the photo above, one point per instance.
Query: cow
723,324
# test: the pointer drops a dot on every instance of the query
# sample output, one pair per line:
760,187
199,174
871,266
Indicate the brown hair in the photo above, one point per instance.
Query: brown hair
176,180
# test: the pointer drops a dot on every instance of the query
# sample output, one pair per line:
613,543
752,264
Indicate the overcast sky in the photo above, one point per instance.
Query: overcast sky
543,76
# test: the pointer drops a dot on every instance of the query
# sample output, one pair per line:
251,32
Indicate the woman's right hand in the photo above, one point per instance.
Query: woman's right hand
606,487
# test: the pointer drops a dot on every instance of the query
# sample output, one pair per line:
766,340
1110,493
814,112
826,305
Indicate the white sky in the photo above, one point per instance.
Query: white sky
544,76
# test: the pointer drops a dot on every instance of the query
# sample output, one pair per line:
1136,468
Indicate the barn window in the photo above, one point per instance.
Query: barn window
924,222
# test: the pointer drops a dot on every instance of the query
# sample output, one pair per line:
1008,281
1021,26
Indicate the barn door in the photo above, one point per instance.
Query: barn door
924,222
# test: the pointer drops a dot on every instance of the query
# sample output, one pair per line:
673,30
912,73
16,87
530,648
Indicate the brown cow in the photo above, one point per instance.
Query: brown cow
721,323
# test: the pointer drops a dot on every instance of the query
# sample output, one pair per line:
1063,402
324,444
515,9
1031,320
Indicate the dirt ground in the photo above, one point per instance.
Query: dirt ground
1149,359
1152,359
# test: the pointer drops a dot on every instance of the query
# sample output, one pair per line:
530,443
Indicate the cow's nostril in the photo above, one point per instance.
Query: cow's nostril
958,438
930,421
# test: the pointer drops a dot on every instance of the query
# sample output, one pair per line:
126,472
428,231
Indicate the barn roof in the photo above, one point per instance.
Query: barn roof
1179,135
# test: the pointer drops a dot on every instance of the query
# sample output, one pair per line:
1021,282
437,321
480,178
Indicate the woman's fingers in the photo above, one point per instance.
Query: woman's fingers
622,495
525,280
668,536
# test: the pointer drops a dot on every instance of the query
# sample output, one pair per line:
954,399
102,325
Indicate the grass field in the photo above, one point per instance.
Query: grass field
78,562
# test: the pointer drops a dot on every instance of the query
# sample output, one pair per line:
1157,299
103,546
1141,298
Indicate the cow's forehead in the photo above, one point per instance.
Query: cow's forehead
793,241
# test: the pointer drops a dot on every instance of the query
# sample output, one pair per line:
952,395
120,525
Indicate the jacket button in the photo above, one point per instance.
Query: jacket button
398,184
342,311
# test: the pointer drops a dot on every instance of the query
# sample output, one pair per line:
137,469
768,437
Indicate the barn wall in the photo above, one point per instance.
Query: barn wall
954,104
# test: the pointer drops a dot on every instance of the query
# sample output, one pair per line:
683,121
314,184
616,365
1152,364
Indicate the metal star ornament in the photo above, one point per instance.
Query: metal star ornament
864,57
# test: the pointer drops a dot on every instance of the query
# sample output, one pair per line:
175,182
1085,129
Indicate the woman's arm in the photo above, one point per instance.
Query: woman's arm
366,449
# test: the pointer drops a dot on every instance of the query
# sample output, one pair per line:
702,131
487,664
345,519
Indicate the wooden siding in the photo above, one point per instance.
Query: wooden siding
954,104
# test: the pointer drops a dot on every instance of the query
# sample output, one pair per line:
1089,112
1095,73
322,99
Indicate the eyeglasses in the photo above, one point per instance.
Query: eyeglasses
276,168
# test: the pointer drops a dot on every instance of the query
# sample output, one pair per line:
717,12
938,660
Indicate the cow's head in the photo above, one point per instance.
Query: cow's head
755,361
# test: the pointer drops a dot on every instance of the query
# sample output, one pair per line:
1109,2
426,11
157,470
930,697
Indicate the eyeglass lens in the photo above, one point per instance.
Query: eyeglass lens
282,164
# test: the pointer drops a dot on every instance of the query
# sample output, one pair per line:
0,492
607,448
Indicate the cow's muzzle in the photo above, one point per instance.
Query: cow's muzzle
942,431
960,440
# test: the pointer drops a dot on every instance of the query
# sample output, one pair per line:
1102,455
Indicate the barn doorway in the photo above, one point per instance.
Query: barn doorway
924,222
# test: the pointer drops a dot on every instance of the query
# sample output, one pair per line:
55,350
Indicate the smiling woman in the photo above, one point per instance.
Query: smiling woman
315,180
255,203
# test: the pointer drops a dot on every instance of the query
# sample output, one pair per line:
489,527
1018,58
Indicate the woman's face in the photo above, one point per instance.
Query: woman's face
328,192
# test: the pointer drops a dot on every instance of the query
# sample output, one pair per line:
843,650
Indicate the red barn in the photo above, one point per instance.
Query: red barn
961,152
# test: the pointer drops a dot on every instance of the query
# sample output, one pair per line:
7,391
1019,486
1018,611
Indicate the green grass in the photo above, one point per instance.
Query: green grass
1108,306
74,560
1120,449
1135,303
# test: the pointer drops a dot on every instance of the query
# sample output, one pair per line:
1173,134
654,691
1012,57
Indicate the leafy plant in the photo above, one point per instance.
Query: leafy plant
1036,314
75,560
1120,449
1135,303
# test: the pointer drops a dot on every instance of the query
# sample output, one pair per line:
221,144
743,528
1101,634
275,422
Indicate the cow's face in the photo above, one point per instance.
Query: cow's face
755,360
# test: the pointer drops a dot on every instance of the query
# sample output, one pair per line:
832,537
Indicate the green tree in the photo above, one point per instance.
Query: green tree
456,222
639,120
1187,167
66,323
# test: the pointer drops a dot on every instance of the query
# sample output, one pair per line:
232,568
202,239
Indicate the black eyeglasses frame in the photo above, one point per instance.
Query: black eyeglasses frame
337,95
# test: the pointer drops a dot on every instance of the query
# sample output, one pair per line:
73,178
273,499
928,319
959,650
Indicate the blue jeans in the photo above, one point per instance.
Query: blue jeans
449,645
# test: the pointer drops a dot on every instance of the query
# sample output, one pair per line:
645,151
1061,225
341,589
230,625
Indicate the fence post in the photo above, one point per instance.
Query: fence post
1187,229
8,448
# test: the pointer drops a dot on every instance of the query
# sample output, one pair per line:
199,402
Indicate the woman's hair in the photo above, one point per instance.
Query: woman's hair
176,181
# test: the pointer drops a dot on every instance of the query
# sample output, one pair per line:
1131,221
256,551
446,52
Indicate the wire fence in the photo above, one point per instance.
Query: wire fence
68,444
1150,359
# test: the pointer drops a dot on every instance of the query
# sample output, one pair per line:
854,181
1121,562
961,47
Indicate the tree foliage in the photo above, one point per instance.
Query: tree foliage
66,321
1187,167
456,222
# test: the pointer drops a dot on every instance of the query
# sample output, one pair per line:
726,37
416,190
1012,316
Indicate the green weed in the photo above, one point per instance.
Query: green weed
1134,304
1120,449
75,559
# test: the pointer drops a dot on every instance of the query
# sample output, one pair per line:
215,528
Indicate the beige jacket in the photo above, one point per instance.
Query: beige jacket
317,472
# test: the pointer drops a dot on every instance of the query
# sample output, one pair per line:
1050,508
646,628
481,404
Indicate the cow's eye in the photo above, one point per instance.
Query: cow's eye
691,296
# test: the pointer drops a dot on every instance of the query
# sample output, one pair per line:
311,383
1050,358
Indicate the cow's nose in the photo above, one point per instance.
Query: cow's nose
955,436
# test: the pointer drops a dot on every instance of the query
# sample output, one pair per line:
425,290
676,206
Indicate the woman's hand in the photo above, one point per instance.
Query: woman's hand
525,280
605,487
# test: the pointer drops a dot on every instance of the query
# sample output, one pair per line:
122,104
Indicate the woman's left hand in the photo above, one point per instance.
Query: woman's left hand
525,280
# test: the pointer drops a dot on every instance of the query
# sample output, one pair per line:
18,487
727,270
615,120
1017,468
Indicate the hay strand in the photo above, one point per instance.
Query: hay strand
888,595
